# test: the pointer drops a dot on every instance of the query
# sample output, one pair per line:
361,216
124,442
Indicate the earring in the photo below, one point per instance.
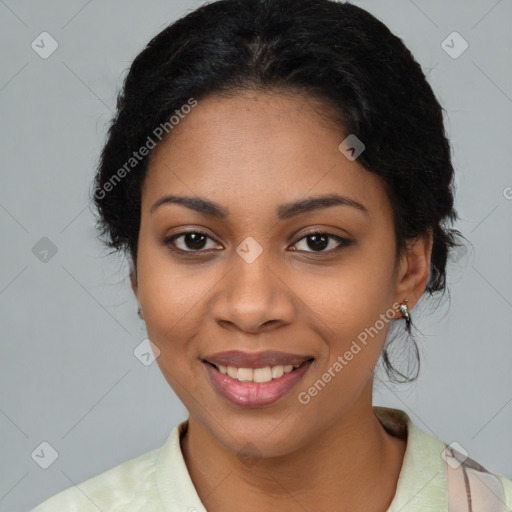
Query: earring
139,312
404,310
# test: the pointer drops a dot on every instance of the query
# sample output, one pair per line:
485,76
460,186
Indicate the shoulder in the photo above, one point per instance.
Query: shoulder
435,473
152,482
127,486
471,483
507,487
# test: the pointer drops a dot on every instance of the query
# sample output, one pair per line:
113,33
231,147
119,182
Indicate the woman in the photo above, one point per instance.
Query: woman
279,175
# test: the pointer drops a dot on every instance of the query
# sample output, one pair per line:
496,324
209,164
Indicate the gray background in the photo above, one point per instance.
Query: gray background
68,373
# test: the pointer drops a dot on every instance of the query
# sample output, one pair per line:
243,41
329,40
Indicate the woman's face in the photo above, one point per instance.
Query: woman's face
255,281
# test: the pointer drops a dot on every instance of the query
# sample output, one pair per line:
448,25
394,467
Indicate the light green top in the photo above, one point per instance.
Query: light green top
158,480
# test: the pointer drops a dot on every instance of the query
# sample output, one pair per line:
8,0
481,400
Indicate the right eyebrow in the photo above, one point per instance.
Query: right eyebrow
203,206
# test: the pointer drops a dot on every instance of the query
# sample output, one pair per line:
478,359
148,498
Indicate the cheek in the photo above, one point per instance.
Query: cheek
354,309
168,296
354,333
357,328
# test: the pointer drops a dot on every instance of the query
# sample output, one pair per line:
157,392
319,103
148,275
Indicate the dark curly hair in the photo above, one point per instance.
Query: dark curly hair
335,52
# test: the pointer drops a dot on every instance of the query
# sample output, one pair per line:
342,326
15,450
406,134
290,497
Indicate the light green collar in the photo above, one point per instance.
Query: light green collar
422,478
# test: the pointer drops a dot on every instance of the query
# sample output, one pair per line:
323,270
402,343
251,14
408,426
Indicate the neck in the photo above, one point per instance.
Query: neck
353,466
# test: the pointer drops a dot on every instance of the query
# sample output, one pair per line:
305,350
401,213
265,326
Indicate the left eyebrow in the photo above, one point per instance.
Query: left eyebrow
284,211
287,210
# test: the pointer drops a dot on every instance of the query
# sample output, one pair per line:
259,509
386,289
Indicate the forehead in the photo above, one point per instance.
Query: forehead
275,147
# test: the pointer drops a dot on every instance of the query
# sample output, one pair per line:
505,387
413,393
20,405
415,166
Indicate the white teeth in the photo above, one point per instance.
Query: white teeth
232,371
277,371
245,374
265,374
262,374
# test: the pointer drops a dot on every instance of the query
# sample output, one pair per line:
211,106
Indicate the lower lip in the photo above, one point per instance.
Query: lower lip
255,394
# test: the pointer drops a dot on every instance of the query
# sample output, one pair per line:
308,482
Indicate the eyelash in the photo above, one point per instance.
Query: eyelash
344,242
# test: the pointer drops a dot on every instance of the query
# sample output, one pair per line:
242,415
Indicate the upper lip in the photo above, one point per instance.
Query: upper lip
241,359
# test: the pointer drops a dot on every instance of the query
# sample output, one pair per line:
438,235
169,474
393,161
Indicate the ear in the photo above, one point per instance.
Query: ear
413,270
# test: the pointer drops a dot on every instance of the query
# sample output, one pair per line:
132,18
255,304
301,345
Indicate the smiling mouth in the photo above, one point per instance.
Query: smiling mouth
258,375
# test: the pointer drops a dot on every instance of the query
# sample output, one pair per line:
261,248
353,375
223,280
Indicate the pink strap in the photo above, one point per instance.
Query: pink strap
471,488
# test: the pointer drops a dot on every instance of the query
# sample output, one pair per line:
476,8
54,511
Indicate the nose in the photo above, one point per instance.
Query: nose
254,296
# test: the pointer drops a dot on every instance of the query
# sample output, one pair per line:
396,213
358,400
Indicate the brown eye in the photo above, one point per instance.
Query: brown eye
319,241
192,241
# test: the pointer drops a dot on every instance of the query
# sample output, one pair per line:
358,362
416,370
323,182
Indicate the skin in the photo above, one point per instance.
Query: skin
250,153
